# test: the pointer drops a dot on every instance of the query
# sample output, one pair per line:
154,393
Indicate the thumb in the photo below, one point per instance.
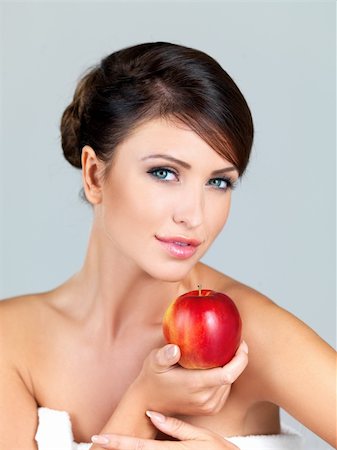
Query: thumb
176,428
166,357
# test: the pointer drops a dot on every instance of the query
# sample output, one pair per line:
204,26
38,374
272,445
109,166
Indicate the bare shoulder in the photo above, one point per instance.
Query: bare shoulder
247,299
22,320
290,365
264,318
21,303
275,336
17,314
258,311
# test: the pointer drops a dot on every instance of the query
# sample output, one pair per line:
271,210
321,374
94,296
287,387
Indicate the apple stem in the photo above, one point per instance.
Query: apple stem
199,288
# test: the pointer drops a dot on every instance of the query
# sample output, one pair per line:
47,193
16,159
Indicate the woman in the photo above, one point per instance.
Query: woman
161,134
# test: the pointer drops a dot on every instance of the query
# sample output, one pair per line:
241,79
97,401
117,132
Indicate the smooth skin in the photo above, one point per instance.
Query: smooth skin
193,438
94,345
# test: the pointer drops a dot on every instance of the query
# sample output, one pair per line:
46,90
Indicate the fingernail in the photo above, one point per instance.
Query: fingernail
99,439
244,346
171,351
156,416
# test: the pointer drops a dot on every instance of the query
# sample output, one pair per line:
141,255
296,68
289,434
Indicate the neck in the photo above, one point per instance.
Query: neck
116,295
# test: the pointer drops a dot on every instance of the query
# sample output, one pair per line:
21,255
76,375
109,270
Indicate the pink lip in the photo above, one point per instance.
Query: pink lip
179,247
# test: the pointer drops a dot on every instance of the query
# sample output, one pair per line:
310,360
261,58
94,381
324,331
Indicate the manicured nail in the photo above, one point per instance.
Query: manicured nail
244,346
156,416
99,439
171,351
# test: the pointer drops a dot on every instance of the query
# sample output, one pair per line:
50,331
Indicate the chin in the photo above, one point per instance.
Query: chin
171,273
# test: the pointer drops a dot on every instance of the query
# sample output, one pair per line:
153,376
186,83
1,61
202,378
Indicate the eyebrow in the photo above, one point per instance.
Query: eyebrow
185,164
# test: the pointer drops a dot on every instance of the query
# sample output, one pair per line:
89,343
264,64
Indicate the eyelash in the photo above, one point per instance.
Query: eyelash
230,184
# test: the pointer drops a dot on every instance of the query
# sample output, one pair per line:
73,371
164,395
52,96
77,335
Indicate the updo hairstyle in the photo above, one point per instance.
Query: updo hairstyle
157,80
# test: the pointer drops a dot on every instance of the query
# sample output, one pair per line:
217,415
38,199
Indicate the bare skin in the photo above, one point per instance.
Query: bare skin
56,366
92,346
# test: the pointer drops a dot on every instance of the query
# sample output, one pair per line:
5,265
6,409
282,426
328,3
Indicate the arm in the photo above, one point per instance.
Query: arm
129,417
18,409
161,383
164,386
295,368
189,437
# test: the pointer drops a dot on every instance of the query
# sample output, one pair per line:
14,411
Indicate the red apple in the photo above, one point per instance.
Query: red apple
206,325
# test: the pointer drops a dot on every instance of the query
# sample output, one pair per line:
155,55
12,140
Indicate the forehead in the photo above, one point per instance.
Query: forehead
167,136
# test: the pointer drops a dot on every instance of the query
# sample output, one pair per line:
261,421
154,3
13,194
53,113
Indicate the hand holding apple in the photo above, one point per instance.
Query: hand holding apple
206,325
167,387
214,326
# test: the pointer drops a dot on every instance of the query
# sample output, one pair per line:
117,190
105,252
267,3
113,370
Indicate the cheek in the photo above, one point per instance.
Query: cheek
133,204
216,216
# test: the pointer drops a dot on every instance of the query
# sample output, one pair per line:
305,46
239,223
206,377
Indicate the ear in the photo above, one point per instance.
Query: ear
92,170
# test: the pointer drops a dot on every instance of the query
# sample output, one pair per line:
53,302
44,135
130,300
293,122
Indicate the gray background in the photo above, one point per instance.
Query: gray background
280,237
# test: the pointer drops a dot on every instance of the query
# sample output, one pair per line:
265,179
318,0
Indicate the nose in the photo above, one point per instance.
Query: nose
189,208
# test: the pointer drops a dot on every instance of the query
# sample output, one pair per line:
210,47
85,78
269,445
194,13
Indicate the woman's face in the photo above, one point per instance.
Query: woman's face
166,199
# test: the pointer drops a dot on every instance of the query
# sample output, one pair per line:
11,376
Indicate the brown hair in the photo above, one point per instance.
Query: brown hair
154,80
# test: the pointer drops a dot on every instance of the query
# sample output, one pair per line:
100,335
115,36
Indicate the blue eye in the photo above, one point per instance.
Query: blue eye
221,183
163,174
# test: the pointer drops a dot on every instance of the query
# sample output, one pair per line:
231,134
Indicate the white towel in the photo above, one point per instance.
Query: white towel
289,439
55,433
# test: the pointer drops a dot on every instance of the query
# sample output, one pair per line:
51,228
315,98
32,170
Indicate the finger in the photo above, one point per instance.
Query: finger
177,428
224,394
166,357
232,370
120,442
217,399
168,425
228,373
